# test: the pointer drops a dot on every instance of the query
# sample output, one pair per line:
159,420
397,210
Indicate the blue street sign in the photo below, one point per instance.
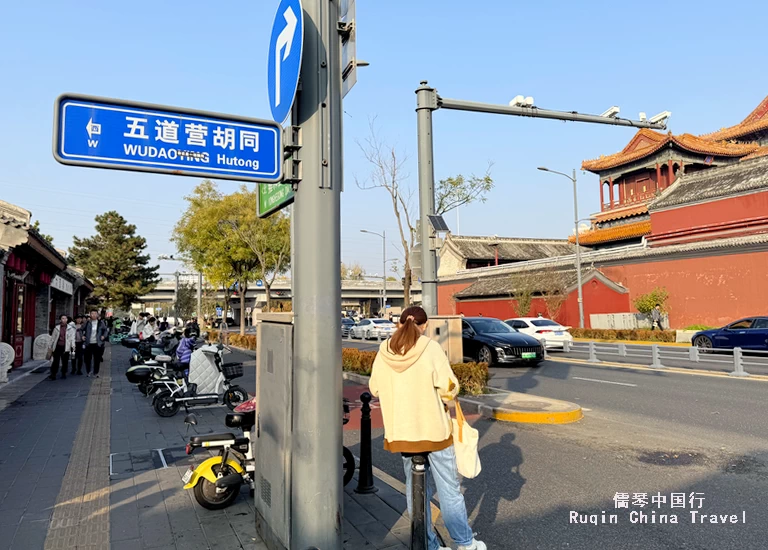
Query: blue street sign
219,311
259,283
111,133
284,58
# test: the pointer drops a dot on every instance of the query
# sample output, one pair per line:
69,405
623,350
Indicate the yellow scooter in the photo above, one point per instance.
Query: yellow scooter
217,480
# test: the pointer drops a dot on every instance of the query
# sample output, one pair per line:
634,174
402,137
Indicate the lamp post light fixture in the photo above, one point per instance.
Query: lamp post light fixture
169,257
576,228
383,236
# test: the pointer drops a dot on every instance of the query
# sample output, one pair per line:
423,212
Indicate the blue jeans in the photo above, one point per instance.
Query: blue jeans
443,473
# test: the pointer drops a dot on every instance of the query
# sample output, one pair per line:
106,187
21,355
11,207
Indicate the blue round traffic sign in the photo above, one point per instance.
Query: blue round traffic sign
284,58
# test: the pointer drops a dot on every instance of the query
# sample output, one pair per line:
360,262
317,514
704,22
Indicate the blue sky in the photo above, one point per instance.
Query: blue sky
696,59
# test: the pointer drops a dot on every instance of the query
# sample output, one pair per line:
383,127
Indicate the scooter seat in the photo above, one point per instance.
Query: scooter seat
163,358
200,439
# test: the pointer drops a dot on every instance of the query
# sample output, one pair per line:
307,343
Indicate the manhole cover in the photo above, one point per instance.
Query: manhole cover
676,458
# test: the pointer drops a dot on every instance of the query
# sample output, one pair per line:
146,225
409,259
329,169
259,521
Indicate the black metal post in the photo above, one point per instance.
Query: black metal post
365,476
419,503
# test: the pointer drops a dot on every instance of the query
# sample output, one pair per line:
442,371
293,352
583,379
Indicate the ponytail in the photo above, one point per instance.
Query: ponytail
408,332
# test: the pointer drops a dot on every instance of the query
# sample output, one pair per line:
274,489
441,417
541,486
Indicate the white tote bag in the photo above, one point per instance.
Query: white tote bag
465,440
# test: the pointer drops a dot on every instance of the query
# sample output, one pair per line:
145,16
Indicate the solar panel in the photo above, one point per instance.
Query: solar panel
438,223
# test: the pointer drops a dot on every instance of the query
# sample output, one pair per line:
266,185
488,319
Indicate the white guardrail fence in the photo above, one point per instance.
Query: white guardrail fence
656,355
731,361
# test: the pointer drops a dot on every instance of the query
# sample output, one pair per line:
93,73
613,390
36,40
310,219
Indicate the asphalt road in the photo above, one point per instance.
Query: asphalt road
644,431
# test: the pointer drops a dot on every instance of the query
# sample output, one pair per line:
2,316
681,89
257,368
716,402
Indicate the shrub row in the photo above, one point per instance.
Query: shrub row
247,341
473,377
636,335
699,327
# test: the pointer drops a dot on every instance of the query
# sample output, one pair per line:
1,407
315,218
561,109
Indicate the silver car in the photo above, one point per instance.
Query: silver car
380,329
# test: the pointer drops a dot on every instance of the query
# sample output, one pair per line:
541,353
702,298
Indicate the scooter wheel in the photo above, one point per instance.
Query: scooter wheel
206,495
348,465
165,405
235,396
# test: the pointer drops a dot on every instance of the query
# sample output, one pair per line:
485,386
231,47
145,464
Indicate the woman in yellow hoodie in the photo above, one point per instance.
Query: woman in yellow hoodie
413,380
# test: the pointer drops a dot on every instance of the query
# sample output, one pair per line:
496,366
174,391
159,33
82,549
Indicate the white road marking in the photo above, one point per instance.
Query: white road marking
162,457
605,381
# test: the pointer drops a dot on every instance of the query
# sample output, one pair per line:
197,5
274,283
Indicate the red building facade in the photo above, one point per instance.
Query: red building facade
685,213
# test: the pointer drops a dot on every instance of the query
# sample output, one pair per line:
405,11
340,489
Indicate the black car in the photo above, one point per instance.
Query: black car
490,340
346,325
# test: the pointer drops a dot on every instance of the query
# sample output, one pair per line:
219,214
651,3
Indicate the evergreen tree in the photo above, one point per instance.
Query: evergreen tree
114,261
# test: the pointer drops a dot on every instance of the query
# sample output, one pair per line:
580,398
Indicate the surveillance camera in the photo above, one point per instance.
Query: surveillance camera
517,101
661,118
613,112
642,117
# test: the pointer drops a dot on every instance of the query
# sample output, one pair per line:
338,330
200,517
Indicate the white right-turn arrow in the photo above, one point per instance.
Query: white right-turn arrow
284,40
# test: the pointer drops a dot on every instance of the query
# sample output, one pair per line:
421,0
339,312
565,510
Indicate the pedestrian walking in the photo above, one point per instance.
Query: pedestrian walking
96,334
413,380
77,358
62,343
164,324
656,318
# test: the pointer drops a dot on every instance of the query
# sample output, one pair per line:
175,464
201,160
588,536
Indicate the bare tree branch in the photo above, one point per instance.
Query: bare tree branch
387,172
459,190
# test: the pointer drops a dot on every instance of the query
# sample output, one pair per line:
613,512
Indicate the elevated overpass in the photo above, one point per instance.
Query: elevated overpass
360,295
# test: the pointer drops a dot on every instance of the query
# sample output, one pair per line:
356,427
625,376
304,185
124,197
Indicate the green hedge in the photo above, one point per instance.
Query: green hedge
473,377
636,335
699,327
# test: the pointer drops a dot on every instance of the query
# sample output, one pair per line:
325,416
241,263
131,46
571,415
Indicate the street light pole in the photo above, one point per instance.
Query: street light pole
383,236
578,247
176,292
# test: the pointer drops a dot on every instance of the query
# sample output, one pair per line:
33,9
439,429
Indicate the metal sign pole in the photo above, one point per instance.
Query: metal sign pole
316,485
426,102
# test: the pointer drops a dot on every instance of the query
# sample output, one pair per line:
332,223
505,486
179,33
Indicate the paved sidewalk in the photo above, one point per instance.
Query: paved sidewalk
86,464
148,506
39,422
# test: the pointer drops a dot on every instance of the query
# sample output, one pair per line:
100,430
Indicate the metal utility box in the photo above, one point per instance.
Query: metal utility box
272,433
446,330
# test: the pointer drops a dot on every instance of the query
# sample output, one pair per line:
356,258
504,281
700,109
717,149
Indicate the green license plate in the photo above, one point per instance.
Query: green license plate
529,355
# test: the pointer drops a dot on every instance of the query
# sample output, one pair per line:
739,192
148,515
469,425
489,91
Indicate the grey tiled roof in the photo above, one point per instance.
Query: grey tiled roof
600,257
539,282
712,183
13,222
482,248
507,285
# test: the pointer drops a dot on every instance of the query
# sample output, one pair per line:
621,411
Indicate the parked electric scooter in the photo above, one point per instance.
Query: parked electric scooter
217,480
161,367
145,350
208,383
